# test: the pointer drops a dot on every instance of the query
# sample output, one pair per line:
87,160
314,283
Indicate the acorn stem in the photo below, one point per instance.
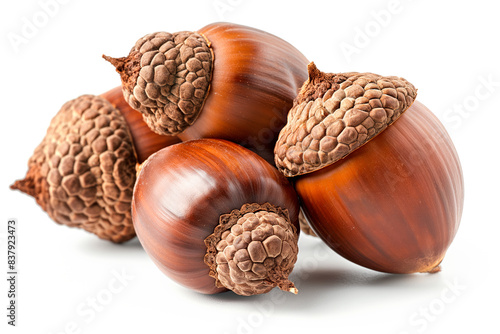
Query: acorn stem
128,67
116,62
34,183
313,72
25,185
287,285
318,84
434,270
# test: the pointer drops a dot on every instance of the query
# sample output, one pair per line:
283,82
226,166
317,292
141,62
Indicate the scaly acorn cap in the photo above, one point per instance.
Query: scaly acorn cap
334,114
83,172
304,225
253,250
167,77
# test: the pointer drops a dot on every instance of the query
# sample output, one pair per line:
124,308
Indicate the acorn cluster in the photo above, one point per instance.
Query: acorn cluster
177,156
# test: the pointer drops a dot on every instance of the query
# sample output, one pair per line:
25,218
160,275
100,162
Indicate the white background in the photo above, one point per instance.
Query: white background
448,49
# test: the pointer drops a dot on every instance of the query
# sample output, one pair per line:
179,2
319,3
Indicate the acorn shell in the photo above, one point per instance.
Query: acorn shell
83,172
182,191
224,81
393,205
255,78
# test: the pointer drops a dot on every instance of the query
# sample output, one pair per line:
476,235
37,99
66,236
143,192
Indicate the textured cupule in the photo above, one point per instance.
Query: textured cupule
253,250
83,172
167,78
334,114
304,225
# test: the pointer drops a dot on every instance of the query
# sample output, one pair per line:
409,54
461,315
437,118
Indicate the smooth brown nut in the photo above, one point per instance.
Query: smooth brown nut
395,204
185,191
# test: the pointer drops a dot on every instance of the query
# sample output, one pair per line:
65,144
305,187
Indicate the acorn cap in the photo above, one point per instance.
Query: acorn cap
304,225
83,172
167,77
334,114
253,250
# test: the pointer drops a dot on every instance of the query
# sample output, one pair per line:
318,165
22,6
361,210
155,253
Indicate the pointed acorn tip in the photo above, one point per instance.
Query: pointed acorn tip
33,185
309,86
116,62
287,285
434,270
14,186
26,186
312,71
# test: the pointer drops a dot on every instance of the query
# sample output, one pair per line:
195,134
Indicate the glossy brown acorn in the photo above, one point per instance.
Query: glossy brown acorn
184,193
395,203
225,81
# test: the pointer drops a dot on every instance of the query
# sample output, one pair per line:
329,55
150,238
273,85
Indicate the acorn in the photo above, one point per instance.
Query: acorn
224,81
214,216
377,175
83,172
